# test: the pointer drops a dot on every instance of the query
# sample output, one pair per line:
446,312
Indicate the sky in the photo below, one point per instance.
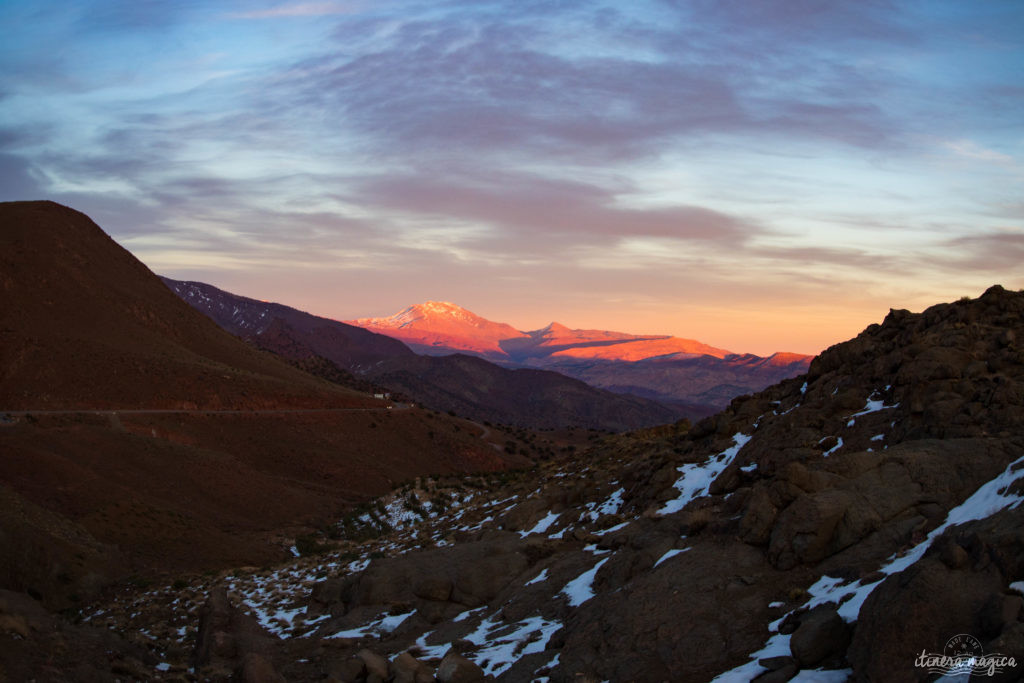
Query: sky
760,176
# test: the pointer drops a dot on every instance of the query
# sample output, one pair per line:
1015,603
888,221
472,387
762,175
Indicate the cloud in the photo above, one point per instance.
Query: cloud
481,85
18,181
857,259
299,9
519,213
972,150
987,253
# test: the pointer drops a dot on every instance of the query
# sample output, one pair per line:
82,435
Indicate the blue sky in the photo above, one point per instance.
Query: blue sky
760,176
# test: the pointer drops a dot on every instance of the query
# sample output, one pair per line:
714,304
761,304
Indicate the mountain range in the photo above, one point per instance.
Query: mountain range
466,385
668,369
441,327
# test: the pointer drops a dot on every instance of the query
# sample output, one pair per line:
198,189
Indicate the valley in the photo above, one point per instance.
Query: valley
191,507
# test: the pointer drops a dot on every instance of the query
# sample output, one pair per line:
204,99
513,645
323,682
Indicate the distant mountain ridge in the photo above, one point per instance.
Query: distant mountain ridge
442,327
467,385
353,348
661,367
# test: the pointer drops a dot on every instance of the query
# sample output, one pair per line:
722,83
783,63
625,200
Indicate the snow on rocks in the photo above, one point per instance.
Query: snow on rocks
501,644
839,444
670,554
537,579
384,624
873,405
580,589
609,506
987,500
541,526
697,478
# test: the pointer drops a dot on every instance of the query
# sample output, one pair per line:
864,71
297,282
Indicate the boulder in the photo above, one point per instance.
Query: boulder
759,517
407,669
822,636
226,634
350,670
375,664
436,587
928,603
257,669
455,668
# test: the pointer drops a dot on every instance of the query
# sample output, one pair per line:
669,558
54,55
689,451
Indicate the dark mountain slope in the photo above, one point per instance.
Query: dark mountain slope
85,324
350,347
479,389
142,438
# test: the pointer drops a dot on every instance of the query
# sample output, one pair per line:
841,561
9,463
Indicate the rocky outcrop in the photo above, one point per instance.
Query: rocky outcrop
229,640
961,586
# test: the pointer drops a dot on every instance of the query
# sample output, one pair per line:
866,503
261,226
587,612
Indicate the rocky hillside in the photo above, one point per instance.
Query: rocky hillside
139,438
832,527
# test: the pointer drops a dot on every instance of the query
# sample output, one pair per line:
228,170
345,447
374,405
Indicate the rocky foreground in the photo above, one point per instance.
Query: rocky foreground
833,527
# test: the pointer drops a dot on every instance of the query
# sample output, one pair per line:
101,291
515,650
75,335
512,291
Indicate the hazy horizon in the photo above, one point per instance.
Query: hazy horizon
759,177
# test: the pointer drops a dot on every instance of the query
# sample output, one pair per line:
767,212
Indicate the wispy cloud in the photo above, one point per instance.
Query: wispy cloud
989,252
299,9
972,150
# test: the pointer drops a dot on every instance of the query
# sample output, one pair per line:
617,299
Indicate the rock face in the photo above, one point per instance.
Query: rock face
229,640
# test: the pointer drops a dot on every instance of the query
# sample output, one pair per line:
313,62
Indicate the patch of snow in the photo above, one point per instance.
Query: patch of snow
504,644
749,468
613,504
537,579
356,566
385,624
878,437
1017,586
777,646
579,590
803,389
697,478
560,533
464,615
839,444
670,553
609,530
873,405
609,506
431,651
294,551
549,666
163,666
541,526
775,605
274,619
822,676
